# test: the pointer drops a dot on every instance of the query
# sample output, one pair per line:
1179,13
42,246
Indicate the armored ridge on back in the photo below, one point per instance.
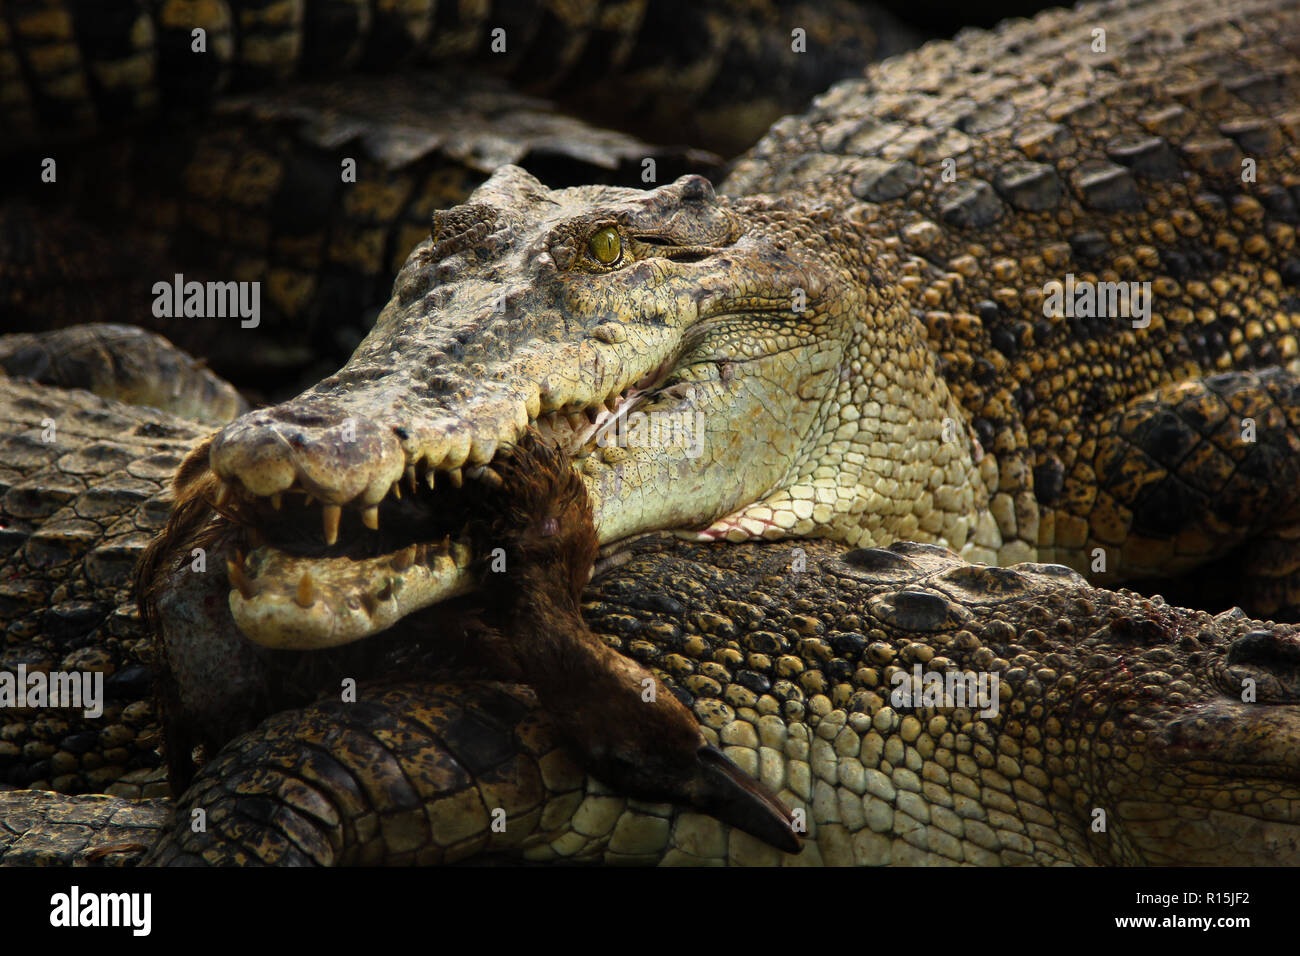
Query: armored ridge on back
826,343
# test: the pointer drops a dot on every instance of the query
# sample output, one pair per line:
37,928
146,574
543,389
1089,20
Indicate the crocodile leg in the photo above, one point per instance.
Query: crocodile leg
410,773
1187,472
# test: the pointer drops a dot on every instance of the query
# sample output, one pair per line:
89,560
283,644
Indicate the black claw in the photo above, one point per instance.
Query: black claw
726,792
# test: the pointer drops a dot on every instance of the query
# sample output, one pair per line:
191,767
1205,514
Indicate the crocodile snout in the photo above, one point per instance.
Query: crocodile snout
325,449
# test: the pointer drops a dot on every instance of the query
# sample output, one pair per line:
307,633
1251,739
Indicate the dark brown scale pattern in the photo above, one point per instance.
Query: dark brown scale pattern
75,514
1106,699
71,69
1123,165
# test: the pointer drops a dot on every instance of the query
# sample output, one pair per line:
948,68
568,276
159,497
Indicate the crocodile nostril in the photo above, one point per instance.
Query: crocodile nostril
1266,648
696,188
305,419
319,415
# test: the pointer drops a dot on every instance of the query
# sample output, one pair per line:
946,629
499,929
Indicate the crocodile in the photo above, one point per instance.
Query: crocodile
855,339
789,654
1120,731
548,256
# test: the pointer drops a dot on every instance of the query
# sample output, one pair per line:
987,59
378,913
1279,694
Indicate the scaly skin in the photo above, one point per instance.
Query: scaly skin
787,652
1255,739
124,363
861,353
69,69
84,487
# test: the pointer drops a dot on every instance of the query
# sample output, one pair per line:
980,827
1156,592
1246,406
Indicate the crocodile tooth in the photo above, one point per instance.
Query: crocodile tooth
457,452
489,477
386,592
306,595
370,602
396,489
456,479
330,515
235,571
429,478
403,559
482,450
444,546
311,500
223,494
410,478
370,517
277,499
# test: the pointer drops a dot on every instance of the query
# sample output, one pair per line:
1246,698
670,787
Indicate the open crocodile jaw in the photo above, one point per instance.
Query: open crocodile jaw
319,574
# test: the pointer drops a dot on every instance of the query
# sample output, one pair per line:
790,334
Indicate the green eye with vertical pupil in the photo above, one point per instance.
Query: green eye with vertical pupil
606,245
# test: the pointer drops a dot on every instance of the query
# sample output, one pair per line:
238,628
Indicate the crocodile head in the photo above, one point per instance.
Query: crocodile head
696,356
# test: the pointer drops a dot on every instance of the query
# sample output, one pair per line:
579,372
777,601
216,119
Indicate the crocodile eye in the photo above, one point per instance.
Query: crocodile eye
606,246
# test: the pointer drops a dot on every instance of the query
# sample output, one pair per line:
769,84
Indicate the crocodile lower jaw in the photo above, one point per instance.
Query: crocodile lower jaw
287,607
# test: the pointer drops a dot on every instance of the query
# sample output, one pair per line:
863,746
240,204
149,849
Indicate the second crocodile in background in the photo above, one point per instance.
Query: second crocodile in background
864,338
